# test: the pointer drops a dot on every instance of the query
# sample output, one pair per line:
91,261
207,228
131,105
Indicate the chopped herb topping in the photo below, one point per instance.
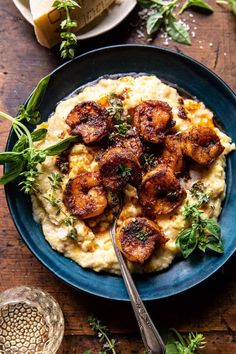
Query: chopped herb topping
141,235
123,170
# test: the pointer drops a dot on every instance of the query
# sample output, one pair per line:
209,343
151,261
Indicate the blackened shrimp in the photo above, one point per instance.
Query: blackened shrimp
202,144
138,238
119,166
130,141
161,192
89,120
152,120
84,195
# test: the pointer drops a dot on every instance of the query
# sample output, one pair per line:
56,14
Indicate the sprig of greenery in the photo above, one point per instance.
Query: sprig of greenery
178,344
109,344
24,158
163,16
203,232
123,170
69,39
116,108
55,180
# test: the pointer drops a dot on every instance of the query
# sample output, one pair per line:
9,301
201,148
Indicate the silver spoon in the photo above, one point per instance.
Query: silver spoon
150,336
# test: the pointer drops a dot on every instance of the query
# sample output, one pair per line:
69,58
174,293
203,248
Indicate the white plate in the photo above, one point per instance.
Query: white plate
107,21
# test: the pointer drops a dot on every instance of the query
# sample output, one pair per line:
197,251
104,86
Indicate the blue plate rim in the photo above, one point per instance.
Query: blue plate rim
9,202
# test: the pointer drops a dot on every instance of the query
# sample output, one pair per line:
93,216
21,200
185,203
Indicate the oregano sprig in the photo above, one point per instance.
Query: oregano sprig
69,39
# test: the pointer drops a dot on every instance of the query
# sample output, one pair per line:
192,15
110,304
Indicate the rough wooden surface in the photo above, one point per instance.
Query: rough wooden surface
211,307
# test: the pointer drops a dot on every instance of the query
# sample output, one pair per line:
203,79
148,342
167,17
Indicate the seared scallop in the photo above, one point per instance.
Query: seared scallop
119,166
89,120
84,195
172,154
152,119
138,238
161,192
202,145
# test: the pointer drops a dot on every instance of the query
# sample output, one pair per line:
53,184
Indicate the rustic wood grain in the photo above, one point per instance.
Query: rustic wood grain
211,307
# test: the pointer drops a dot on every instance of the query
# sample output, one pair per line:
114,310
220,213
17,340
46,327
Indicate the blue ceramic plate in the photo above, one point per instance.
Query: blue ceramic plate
188,75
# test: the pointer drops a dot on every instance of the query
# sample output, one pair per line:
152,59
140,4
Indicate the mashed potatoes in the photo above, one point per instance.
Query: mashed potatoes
92,247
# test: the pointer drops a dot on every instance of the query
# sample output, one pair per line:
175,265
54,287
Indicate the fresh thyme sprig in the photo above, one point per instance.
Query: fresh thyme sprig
109,344
55,180
24,158
116,108
69,39
203,232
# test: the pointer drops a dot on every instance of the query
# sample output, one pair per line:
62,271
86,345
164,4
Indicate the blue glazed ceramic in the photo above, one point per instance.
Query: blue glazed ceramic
189,75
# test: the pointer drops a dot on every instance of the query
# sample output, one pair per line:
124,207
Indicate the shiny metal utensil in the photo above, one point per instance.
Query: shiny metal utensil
150,336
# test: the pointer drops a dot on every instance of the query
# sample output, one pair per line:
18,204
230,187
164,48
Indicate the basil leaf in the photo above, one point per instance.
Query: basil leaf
13,170
187,241
176,30
215,246
200,4
37,95
153,23
214,228
21,144
232,4
9,156
60,146
39,134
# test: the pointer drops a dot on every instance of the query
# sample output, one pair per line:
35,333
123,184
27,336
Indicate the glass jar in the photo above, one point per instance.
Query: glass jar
31,322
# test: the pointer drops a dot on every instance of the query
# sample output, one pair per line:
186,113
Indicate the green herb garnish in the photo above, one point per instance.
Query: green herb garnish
141,235
163,16
123,170
24,158
55,203
69,39
199,4
198,191
109,344
116,108
178,344
148,160
55,180
202,232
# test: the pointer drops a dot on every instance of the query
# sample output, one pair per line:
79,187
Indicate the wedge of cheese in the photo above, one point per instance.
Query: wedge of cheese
47,19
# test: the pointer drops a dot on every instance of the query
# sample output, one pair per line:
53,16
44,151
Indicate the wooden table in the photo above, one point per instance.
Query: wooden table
209,308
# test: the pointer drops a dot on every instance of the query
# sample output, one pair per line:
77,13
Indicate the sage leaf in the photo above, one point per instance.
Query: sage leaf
13,170
187,241
9,156
61,146
37,95
154,22
199,4
39,134
176,30
21,144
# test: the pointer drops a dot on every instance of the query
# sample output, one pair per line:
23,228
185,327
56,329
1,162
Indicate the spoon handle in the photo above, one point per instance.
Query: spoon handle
151,338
